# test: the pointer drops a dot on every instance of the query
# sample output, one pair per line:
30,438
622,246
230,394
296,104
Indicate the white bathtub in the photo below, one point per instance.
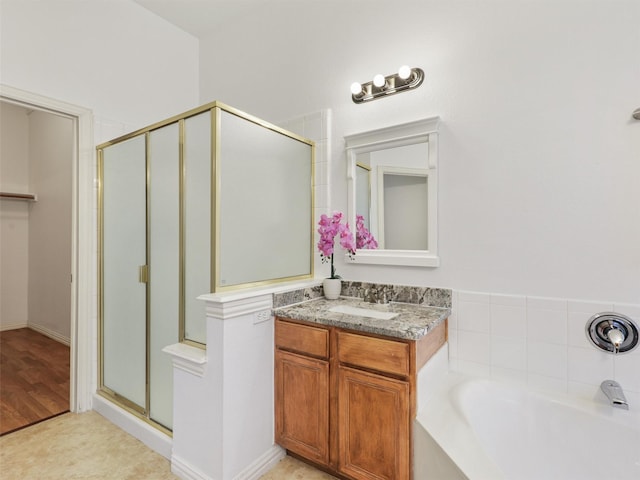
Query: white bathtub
480,429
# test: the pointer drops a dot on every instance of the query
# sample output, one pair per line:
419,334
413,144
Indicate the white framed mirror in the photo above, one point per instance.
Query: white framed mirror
393,185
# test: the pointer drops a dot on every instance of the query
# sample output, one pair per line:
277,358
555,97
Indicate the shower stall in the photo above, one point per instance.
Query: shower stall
208,201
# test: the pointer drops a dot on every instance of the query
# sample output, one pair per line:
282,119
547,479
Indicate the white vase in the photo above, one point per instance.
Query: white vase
332,287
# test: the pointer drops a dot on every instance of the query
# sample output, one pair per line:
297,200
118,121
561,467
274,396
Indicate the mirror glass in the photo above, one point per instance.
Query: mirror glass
393,193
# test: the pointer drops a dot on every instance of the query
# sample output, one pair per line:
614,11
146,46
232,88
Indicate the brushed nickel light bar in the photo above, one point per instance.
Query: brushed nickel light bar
636,114
381,86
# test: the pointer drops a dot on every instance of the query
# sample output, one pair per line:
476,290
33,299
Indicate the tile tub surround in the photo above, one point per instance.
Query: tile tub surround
537,341
412,322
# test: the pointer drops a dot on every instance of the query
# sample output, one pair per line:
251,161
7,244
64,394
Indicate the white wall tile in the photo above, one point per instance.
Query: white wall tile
627,370
477,297
474,347
474,317
547,321
633,399
536,340
586,391
473,368
294,126
322,196
453,320
547,359
588,365
453,342
508,353
509,321
589,307
518,377
455,305
509,300
453,363
544,303
546,384
629,310
576,330
321,173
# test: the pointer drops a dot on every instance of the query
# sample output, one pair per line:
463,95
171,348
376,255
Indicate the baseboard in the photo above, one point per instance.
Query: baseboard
185,471
13,326
50,333
263,464
150,436
257,469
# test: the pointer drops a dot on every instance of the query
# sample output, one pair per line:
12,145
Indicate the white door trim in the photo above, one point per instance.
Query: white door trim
83,242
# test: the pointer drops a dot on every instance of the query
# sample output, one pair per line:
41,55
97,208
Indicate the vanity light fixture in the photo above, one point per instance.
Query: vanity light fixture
381,86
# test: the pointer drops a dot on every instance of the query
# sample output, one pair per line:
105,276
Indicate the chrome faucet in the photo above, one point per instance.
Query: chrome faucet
371,296
375,295
614,393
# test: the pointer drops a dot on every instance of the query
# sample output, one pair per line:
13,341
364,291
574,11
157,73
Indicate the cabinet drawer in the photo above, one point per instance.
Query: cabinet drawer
302,339
386,356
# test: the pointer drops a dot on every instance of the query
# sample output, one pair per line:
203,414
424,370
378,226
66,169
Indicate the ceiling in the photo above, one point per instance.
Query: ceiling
199,17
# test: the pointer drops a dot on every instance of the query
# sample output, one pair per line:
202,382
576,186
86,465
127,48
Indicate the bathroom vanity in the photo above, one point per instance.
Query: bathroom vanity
346,382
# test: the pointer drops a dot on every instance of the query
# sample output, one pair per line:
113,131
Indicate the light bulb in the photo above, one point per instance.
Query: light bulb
404,72
379,80
356,88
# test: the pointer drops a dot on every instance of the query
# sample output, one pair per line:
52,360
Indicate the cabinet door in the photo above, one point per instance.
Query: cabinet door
373,426
302,405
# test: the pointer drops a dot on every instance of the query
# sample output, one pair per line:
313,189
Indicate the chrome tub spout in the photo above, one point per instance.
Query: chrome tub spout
614,393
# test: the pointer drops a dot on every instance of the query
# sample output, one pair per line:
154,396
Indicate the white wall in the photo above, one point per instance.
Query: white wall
35,266
14,217
539,155
129,66
51,143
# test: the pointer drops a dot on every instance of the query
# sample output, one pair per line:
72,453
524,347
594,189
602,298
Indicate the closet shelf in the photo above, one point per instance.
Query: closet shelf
30,197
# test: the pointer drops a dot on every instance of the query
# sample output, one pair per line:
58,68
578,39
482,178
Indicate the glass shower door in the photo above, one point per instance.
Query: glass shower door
123,302
164,267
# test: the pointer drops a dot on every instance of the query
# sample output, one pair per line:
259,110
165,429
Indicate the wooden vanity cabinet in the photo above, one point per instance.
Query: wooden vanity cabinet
374,406
345,400
373,425
302,390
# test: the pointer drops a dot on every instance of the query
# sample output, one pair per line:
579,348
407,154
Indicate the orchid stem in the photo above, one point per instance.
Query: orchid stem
333,270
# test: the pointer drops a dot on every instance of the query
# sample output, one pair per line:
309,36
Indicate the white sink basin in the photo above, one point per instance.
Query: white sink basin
363,312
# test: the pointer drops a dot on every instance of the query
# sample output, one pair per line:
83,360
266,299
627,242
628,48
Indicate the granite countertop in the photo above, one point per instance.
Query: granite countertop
412,321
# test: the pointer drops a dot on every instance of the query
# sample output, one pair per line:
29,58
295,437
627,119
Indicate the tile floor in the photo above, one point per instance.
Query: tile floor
88,447
290,468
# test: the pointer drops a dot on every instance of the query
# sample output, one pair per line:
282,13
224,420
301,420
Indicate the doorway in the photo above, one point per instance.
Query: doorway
80,278
37,149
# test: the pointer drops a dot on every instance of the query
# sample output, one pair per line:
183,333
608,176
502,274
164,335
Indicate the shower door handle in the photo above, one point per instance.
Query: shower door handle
143,273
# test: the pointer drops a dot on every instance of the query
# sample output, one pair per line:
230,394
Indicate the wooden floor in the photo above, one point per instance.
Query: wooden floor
34,378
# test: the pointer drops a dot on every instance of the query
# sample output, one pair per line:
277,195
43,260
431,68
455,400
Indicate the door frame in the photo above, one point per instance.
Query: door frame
83,242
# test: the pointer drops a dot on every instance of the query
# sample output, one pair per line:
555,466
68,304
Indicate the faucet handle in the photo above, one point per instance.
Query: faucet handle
616,336
384,298
613,332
